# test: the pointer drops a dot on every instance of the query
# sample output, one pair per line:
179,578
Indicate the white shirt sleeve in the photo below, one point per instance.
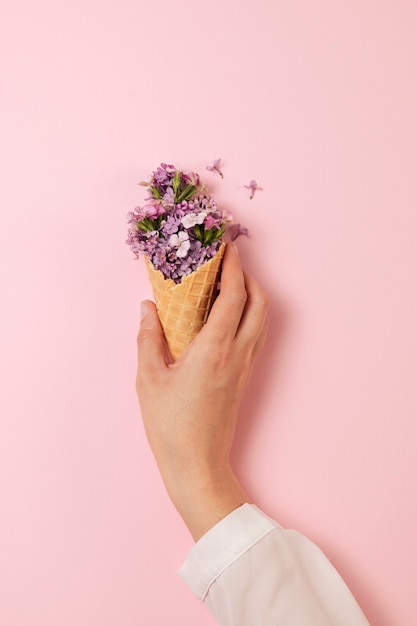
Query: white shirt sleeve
250,571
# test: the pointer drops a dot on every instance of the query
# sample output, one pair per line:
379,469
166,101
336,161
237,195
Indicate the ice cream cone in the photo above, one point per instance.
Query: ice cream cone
183,307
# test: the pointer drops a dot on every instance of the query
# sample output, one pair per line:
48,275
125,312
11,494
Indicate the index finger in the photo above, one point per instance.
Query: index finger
227,310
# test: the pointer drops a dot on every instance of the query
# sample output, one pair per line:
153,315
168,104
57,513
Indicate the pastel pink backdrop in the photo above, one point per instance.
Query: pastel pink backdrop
317,101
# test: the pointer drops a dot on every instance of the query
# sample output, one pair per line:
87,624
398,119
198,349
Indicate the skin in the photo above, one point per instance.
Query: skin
189,408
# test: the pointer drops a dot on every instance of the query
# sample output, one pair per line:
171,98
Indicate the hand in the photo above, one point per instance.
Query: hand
189,408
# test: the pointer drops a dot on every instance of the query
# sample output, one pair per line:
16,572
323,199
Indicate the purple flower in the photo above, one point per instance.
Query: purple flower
168,198
235,230
215,167
163,174
191,178
212,221
253,186
133,216
153,210
170,225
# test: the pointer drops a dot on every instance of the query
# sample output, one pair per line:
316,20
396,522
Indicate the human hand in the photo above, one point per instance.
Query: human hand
189,408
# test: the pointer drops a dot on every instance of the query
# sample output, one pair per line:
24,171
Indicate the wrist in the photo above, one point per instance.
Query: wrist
204,497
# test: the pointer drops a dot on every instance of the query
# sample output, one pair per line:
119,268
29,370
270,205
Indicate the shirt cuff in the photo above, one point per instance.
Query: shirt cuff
223,544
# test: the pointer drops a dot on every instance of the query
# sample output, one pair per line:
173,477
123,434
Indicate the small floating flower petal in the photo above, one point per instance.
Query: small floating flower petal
253,186
215,167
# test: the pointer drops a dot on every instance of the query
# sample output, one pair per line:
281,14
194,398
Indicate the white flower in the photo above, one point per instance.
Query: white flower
180,241
192,219
227,217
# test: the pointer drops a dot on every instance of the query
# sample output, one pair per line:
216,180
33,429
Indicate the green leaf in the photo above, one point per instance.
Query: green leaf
156,193
176,181
208,237
199,232
186,193
142,226
219,233
147,224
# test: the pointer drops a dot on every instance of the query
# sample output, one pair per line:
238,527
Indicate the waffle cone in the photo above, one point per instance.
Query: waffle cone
183,307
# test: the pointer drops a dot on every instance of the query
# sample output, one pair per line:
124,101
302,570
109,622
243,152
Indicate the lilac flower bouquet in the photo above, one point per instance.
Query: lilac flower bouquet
180,227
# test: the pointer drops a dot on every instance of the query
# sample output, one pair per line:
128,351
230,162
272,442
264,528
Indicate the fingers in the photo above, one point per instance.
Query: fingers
151,340
225,316
254,323
239,313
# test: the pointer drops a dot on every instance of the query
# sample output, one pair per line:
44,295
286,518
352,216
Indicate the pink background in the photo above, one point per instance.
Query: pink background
317,101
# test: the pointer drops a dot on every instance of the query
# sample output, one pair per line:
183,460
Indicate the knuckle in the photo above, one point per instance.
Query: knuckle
144,336
261,300
239,297
265,301
216,357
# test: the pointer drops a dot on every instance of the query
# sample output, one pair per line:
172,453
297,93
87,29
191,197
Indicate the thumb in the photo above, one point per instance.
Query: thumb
151,340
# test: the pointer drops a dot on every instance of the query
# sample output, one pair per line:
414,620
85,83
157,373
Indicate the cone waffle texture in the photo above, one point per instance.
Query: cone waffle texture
183,307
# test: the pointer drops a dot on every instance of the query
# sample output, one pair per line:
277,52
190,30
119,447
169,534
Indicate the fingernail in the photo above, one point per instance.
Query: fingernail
144,309
235,247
